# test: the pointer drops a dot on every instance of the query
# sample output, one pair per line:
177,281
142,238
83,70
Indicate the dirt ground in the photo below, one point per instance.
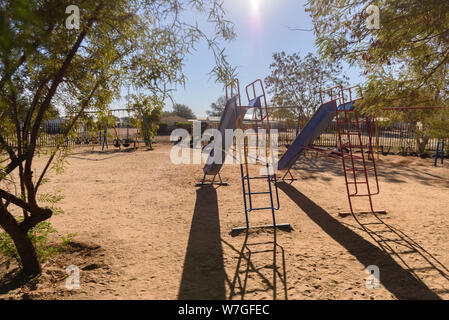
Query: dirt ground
144,231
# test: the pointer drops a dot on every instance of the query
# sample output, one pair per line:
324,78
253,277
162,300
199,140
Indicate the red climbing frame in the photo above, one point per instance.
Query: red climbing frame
335,93
252,93
358,169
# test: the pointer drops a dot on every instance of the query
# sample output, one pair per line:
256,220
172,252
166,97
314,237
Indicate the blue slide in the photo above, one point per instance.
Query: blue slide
311,131
228,121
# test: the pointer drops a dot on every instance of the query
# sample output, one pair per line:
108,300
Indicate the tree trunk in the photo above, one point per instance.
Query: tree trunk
421,144
25,248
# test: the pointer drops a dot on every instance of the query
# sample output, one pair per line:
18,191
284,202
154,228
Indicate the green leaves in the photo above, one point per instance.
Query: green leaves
411,44
50,198
296,81
39,236
406,61
46,68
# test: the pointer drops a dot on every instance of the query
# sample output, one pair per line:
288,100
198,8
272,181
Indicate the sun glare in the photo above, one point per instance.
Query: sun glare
255,6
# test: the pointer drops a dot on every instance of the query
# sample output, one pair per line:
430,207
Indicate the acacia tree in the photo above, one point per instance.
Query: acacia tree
44,65
152,110
183,111
406,60
217,107
296,81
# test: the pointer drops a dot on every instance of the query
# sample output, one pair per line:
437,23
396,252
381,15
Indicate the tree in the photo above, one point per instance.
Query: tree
296,81
217,108
183,111
406,60
43,65
151,108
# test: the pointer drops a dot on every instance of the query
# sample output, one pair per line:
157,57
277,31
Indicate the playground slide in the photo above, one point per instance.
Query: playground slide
228,121
311,131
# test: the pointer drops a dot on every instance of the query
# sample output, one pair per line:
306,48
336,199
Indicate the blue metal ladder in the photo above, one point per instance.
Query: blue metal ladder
248,196
248,191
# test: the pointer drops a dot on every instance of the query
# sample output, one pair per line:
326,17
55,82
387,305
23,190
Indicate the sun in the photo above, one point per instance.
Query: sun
255,6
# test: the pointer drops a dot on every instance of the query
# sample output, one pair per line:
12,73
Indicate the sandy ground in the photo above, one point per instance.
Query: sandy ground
144,231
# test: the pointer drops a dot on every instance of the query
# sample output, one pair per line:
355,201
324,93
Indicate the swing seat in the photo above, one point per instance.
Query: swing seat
127,143
117,143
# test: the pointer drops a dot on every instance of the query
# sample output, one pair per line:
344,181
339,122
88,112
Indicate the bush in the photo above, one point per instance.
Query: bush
184,125
39,238
163,128
39,235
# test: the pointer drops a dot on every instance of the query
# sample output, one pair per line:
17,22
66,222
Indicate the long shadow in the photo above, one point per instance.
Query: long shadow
204,276
312,166
411,254
107,154
400,282
268,273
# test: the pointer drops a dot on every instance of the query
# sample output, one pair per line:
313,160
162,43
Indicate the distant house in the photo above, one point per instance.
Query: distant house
214,119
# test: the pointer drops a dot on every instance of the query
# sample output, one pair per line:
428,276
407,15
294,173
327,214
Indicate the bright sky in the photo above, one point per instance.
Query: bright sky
261,27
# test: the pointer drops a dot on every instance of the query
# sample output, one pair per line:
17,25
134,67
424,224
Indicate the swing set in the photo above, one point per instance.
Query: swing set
127,130
142,134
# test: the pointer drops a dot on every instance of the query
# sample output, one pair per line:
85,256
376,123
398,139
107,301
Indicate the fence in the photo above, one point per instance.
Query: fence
397,138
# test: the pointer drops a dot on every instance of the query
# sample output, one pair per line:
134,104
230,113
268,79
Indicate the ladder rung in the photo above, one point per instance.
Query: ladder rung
363,170
360,195
258,209
357,182
349,157
252,193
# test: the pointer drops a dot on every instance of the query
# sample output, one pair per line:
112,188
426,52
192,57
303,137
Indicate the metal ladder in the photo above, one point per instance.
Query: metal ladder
271,192
359,164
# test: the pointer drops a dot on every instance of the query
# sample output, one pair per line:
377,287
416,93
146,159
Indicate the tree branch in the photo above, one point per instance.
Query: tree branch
46,103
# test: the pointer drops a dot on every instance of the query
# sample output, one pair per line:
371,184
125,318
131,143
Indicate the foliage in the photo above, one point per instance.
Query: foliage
39,238
151,107
183,111
163,128
217,108
45,67
406,60
39,235
184,125
296,81
412,34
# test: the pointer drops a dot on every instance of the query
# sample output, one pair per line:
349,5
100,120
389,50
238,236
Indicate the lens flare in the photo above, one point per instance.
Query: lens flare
255,6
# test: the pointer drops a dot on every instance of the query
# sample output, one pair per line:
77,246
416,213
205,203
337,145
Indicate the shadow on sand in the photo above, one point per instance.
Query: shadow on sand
266,271
204,276
402,283
311,167
394,242
106,154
